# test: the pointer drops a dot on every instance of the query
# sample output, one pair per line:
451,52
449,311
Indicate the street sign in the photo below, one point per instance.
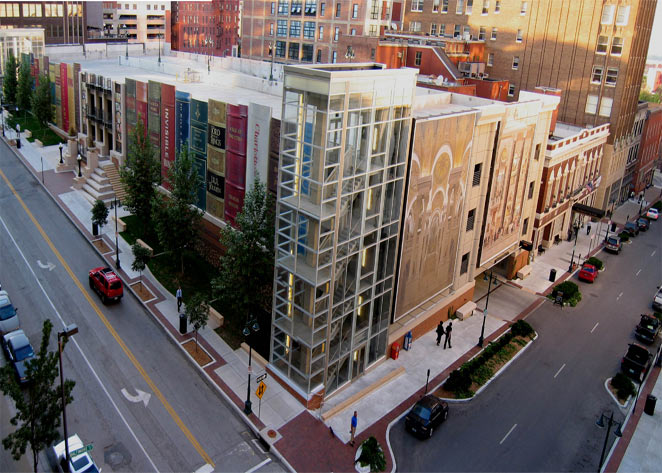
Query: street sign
84,449
261,388
263,376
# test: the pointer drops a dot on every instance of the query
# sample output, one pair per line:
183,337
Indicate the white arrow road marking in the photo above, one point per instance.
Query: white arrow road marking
509,432
49,266
560,369
595,326
142,396
638,273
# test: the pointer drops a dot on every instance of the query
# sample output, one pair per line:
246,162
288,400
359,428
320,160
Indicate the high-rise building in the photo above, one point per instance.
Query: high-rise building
140,22
307,31
593,50
63,22
210,28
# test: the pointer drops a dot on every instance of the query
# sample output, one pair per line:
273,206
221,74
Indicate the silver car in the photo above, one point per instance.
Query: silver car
657,299
8,316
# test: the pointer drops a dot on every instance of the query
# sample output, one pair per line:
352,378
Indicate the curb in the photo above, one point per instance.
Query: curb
171,337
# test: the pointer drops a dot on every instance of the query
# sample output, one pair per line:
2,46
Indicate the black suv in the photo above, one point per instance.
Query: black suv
643,224
631,228
647,329
426,414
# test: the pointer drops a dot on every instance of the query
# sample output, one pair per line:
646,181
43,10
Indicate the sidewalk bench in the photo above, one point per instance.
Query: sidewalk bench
145,245
467,310
215,319
524,272
121,226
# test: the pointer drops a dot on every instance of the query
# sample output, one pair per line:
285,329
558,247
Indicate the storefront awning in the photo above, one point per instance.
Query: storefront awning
588,210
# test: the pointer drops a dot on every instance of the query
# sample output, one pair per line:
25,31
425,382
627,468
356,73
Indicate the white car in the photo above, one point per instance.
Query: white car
81,463
652,213
8,316
657,299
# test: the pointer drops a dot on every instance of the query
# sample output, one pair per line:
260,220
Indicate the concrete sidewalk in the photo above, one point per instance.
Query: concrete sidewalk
283,422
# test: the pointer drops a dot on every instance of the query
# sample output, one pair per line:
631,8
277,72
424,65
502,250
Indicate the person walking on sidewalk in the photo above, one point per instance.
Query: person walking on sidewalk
440,331
588,229
179,298
449,329
352,429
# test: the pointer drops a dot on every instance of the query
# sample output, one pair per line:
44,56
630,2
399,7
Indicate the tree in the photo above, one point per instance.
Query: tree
10,82
246,275
176,218
99,213
197,312
650,96
24,89
39,409
141,257
140,175
41,102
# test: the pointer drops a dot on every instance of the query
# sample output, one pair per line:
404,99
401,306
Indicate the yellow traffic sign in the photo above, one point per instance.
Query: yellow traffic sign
261,388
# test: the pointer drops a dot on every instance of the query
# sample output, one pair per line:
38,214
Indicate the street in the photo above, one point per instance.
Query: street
178,422
540,413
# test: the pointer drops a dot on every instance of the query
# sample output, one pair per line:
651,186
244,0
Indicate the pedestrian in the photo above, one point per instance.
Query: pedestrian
440,331
588,229
627,219
352,430
179,298
449,329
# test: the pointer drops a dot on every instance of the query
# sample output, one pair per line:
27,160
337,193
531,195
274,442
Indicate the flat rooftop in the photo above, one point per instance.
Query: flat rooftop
225,85
565,130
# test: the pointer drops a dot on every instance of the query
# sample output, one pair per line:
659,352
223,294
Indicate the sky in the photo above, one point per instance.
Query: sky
655,46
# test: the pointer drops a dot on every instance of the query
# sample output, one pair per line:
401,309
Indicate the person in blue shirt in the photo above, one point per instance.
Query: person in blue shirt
352,430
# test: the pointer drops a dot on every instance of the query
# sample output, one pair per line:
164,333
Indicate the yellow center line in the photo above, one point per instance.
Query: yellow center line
112,331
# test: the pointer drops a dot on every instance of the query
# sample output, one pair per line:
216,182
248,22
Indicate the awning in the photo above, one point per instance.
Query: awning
588,210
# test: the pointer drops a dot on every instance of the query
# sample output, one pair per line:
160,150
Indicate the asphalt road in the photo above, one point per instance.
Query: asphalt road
540,414
185,424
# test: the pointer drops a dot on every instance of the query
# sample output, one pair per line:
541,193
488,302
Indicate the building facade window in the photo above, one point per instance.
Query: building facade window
338,9
336,33
532,186
309,30
515,62
524,8
622,15
464,265
296,7
470,219
591,104
478,170
414,26
322,9
605,106
518,38
466,31
282,28
295,29
608,14
433,29
417,5
352,32
490,59
435,6
612,76
456,31
319,56
616,46
271,29
283,7
497,6
417,59
459,7
511,90
355,10
320,35
494,34
280,48
293,52
481,33
334,57
310,8
442,29
486,7
444,6
596,76
470,7
307,53
603,44
525,226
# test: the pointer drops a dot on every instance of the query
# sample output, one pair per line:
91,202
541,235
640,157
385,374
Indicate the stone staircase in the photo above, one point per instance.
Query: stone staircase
98,187
113,176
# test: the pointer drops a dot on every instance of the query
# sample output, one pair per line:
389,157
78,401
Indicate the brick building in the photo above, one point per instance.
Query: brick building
308,31
210,28
650,149
63,22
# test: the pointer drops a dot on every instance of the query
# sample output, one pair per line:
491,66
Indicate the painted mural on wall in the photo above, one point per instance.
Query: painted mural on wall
509,175
434,208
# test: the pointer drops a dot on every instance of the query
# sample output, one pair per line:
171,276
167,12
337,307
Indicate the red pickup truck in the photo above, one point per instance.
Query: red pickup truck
106,283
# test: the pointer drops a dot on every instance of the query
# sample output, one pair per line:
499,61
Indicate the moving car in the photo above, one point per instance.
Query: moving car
18,351
613,244
8,316
648,328
657,299
426,415
636,362
643,224
80,463
588,273
652,213
106,283
631,228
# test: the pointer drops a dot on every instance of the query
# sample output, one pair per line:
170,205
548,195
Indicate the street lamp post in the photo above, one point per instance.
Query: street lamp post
251,326
575,227
159,36
79,159
60,146
487,301
610,423
2,109
18,135
271,53
116,203
62,337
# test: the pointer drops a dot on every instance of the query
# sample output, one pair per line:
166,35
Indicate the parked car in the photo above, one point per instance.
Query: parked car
80,463
18,351
643,224
631,229
648,328
613,244
652,213
588,273
8,316
426,415
657,299
106,283
636,362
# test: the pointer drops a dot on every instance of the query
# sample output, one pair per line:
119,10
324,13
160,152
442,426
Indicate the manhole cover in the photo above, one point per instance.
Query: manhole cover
272,433
117,456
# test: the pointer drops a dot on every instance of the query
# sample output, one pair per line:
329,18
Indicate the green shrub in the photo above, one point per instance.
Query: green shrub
372,454
625,236
459,381
521,329
595,262
623,385
568,288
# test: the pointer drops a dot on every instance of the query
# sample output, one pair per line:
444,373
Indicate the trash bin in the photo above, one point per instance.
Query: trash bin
552,275
613,227
649,407
395,350
182,324
407,342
